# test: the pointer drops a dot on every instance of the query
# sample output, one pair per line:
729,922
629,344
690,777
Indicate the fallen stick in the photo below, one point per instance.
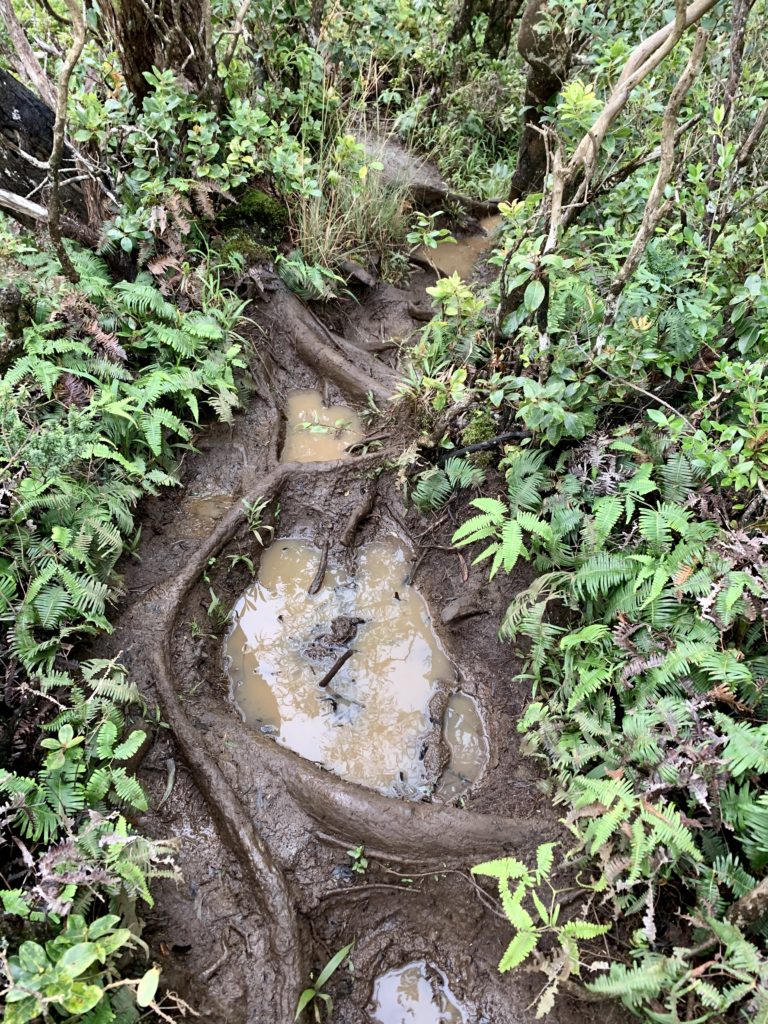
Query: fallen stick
317,582
336,666
481,446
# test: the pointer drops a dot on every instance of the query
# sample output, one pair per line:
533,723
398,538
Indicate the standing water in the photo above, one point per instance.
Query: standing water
460,257
467,749
408,996
315,432
370,723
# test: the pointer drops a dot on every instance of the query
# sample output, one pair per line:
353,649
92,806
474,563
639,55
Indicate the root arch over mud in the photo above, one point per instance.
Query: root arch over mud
406,832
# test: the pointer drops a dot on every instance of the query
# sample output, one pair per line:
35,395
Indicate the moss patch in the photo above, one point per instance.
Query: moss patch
243,243
262,214
481,427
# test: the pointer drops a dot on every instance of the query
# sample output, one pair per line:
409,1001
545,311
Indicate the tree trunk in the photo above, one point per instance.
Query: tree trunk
548,57
501,17
164,34
498,33
26,140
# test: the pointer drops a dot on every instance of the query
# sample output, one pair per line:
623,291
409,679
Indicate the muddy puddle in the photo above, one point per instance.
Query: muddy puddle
371,722
460,257
414,994
467,748
315,432
202,512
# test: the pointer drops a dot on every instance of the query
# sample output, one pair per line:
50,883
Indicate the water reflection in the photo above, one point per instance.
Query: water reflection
370,722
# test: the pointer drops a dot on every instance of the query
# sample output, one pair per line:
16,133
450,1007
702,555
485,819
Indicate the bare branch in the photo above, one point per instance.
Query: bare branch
645,58
17,204
655,207
28,62
748,147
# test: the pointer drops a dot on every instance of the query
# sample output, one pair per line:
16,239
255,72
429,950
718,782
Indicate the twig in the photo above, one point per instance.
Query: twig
337,666
349,890
209,972
482,446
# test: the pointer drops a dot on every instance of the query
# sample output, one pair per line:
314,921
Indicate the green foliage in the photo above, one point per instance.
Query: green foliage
63,975
314,996
74,806
111,377
436,485
633,690
528,884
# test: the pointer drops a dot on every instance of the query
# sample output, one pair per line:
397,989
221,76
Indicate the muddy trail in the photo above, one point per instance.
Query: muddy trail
354,694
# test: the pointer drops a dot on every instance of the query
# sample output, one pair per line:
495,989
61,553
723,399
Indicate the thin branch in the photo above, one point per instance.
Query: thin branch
649,157
236,32
29,63
644,59
748,147
655,207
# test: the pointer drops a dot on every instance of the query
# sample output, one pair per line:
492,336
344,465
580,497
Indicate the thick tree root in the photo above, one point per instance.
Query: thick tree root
424,833
316,347
237,827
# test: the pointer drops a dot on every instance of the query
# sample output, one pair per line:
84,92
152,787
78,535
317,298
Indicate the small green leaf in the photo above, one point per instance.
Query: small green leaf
82,998
145,993
518,950
333,964
78,958
534,296
305,999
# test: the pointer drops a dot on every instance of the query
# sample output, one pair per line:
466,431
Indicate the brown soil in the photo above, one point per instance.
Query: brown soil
267,895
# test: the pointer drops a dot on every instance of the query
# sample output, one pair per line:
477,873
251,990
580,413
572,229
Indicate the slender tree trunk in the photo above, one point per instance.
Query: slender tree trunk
501,17
548,56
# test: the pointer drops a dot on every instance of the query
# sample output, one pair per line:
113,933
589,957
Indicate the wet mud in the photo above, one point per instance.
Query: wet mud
270,891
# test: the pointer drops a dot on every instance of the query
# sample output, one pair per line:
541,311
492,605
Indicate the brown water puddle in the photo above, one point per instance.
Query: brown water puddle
465,738
316,432
369,725
408,996
460,257
202,511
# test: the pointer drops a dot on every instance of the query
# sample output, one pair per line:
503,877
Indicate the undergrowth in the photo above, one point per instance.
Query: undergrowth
108,382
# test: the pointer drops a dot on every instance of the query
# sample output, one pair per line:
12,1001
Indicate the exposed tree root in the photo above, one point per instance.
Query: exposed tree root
359,513
399,830
236,825
316,347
